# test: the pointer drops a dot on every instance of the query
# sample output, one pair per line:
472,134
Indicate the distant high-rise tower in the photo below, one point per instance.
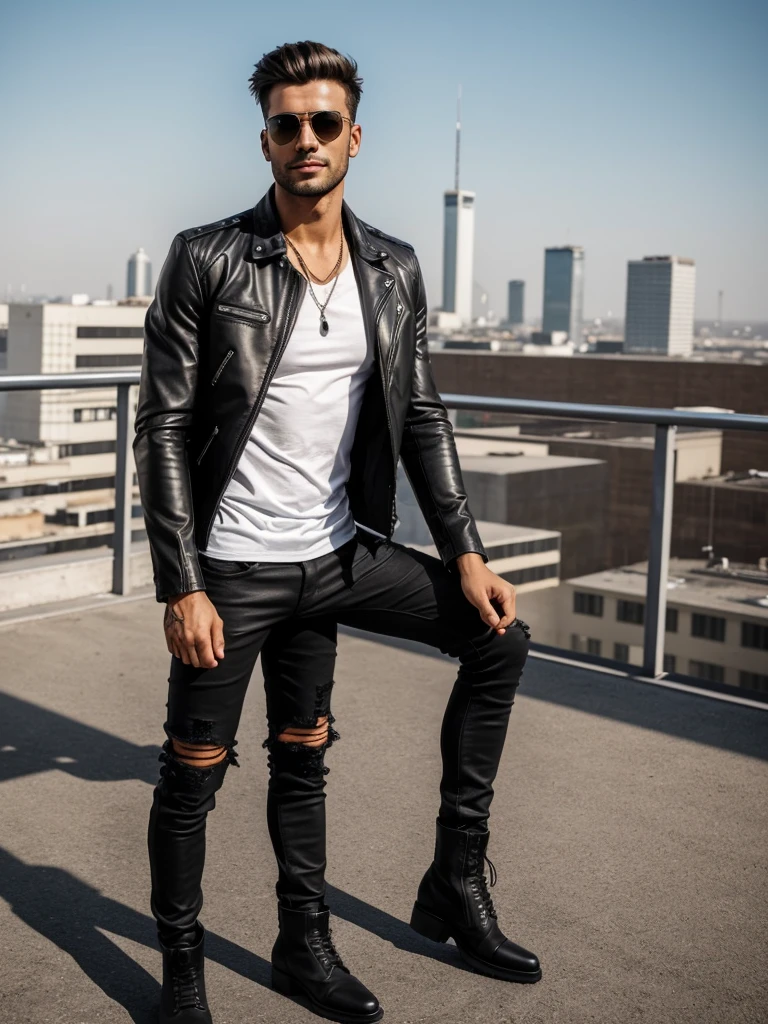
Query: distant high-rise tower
564,291
139,275
659,313
458,242
515,302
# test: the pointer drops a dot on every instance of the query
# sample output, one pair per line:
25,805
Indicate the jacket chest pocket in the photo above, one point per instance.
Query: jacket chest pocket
251,316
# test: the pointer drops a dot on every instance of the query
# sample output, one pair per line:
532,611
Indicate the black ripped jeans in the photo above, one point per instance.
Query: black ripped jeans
288,612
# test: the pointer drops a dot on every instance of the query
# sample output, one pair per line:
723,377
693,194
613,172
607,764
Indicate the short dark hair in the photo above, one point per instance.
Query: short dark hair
300,63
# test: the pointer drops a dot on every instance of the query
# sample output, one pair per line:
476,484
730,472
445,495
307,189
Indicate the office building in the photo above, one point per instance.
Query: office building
659,311
620,534
515,303
458,245
139,278
619,380
564,291
716,625
458,253
64,338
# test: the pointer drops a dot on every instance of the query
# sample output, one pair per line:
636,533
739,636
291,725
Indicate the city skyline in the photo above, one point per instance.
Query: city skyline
667,160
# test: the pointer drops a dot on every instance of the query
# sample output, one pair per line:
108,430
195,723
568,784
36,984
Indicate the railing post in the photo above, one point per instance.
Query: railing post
658,553
121,564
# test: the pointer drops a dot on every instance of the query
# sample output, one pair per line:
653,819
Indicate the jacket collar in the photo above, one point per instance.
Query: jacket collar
268,239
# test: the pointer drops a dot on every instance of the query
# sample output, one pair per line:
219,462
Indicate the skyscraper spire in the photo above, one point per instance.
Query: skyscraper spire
458,242
458,137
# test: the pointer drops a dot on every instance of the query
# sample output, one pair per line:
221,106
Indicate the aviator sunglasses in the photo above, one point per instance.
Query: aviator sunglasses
326,124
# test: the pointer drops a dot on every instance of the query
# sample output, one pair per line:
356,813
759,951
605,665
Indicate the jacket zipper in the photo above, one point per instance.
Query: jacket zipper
390,360
271,368
207,445
242,315
227,357
395,335
383,373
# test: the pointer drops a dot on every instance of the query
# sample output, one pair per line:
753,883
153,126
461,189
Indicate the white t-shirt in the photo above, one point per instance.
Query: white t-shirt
287,500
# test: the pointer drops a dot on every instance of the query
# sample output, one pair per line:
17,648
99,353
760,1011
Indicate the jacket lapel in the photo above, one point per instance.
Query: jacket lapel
377,288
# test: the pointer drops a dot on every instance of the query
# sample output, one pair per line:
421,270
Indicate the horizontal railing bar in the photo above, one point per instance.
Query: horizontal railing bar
614,413
476,403
56,381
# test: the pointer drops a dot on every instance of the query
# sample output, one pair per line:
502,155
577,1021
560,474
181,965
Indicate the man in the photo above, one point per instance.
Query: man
286,370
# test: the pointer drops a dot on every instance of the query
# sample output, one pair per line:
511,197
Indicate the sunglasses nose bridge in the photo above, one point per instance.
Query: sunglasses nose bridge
305,137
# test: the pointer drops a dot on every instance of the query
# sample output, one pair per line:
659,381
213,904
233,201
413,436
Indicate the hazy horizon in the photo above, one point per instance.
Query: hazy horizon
630,132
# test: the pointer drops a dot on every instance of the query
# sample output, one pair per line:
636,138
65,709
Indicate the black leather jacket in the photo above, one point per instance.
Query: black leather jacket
223,312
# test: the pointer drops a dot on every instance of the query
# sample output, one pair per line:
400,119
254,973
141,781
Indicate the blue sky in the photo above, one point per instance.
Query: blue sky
631,129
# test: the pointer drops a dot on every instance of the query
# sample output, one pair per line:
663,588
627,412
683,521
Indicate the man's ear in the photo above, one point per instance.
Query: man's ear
265,145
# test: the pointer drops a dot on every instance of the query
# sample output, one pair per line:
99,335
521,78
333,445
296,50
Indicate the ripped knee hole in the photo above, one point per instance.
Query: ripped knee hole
198,755
308,737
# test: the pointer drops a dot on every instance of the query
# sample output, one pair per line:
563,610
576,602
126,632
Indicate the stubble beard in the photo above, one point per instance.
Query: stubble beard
310,188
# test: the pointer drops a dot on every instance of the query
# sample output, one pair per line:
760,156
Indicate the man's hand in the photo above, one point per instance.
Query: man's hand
481,586
194,631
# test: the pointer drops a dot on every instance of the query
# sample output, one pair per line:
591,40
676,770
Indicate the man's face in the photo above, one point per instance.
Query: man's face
305,166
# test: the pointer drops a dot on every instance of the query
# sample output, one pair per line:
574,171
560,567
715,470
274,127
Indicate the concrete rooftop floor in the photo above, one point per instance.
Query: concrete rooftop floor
628,830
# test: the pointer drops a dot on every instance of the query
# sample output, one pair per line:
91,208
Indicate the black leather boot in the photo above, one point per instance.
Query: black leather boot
306,966
183,999
453,902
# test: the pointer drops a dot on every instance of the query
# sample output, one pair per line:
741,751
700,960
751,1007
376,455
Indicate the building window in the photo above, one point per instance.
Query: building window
86,448
96,413
621,653
754,635
110,332
708,627
532,573
126,359
527,547
585,644
703,670
634,611
630,611
754,681
670,663
587,604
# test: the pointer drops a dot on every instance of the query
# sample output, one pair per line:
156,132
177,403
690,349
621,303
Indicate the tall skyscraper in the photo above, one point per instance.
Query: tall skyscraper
515,302
564,291
660,298
458,242
139,275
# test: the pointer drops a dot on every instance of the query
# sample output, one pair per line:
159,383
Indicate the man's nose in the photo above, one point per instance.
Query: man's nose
306,139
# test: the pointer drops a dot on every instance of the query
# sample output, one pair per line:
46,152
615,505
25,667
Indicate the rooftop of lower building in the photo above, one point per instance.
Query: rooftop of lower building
736,588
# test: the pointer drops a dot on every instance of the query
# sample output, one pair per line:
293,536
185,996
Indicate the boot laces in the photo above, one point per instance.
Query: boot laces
480,885
185,990
321,944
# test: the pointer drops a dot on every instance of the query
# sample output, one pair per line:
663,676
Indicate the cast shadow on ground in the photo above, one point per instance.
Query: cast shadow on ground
74,915
390,928
34,739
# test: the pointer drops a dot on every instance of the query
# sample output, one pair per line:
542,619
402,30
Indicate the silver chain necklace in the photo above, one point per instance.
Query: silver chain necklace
308,274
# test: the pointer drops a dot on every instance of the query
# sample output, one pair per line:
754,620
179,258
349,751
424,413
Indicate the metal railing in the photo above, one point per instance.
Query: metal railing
665,422
124,380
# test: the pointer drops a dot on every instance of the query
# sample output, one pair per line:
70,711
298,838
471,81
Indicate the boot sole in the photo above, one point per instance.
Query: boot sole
435,928
288,986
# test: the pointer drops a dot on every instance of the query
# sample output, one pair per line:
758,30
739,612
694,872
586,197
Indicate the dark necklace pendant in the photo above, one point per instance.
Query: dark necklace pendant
323,326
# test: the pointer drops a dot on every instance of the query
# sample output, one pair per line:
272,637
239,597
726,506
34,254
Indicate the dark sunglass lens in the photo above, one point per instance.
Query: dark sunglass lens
327,125
283,128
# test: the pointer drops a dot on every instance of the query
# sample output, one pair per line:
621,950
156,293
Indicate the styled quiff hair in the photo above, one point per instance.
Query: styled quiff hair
299,63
